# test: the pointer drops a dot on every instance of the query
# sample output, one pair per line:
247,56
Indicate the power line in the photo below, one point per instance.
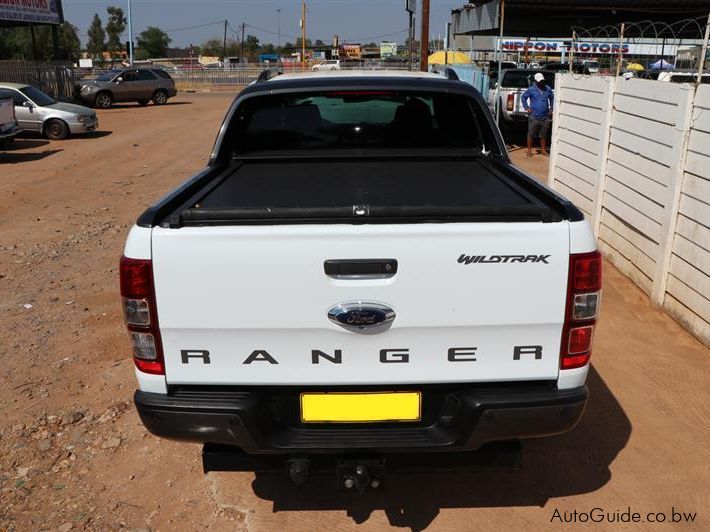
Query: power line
220,22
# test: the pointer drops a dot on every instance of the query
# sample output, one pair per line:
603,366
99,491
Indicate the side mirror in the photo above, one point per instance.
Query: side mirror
119,79
28,104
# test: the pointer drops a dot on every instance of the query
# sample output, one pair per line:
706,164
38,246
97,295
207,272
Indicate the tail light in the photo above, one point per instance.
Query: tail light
511,102
583,297
140,313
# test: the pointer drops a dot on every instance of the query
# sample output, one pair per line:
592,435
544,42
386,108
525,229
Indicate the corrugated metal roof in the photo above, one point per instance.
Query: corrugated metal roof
667,6
554,18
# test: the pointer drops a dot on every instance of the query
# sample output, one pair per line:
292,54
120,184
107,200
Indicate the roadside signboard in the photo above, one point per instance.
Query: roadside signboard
410,5
23,12
388,49
591,47
351,51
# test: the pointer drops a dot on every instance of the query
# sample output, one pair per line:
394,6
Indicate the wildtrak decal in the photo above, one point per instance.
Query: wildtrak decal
503,259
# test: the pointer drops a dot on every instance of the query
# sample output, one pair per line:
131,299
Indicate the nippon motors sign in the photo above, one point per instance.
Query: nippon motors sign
31,12
597,48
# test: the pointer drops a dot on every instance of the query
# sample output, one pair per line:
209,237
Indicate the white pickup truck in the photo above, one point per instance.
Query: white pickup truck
360,268
509,94
8,122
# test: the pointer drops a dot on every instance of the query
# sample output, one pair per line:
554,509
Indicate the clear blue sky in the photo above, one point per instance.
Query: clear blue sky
353,20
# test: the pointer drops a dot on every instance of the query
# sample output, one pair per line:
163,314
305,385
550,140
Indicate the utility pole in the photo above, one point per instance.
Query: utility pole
224,43
303,33
424,52
411,39
278,11
130,36
243,27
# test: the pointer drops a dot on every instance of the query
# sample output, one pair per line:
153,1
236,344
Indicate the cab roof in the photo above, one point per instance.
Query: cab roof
350,74
358,80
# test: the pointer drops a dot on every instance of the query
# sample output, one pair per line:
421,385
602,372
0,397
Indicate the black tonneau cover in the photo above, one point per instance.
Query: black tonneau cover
335,191
375,187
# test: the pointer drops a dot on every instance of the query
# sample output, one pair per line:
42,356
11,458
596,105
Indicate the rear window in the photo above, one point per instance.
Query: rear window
340,120
162,74
517,79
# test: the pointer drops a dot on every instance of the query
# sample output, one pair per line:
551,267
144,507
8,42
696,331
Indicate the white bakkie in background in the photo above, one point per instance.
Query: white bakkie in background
360,267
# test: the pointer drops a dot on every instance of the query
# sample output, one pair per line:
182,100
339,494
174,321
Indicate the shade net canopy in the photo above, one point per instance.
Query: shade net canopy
553,18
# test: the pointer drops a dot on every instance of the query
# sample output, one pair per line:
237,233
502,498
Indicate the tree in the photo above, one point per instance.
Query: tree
251,46
16,43
97,38
319,42
212,47
115,26
153,42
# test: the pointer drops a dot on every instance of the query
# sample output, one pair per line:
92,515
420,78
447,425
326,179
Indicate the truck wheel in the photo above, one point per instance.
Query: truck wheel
160,97
104,100
56,129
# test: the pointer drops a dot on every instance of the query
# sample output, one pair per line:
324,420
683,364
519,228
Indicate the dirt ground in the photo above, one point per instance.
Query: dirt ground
74,455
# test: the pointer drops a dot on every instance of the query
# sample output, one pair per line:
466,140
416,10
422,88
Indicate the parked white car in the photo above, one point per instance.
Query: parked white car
36,111
331,64
592,66
683,77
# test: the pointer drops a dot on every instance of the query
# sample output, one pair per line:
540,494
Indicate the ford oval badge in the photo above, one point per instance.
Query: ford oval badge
362,316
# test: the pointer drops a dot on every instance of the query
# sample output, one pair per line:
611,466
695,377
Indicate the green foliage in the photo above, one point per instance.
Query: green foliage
97,38
16,43
213,47
115,26
251,44
153,42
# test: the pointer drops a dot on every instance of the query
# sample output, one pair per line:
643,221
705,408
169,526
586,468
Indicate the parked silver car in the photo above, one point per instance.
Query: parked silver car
126,85
36,111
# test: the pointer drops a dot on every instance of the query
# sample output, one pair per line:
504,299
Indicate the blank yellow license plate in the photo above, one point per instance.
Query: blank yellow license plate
379,407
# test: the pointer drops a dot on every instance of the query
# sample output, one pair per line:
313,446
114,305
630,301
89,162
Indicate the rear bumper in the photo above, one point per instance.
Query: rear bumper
515,117
265,421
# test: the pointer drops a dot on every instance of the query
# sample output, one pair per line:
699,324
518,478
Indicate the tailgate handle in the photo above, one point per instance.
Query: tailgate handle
360,268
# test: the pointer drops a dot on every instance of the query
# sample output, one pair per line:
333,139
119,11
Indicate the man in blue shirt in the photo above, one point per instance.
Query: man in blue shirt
538,101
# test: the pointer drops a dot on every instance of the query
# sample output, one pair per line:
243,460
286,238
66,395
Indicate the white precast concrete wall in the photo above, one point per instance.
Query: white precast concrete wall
634,155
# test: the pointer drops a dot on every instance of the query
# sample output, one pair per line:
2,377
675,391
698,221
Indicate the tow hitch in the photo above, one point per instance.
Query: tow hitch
360,473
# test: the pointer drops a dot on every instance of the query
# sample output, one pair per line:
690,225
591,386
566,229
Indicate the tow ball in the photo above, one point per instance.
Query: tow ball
361,475
356,474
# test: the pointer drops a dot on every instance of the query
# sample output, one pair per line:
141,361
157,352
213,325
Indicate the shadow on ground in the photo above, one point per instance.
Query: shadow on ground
571,464
25,143
28,136
133,105
15,157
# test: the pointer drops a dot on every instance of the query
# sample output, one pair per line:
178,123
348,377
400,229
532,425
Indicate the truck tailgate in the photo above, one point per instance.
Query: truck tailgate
248,305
